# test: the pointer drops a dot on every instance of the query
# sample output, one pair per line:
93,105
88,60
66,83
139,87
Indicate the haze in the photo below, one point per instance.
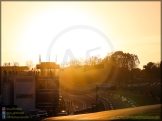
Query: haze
28,28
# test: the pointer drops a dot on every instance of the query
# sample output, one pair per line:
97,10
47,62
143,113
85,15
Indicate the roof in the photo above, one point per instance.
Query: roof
47,65
17,68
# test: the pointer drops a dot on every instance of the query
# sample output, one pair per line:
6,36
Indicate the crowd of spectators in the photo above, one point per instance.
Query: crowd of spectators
151,89
20,73
146,84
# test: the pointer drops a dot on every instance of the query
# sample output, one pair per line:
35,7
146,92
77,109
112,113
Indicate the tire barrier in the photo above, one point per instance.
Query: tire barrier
110,104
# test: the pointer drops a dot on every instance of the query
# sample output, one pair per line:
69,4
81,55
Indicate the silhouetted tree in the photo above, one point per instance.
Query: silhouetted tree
152,71
125,63
29,64
148,69
5,64
15,64
93,61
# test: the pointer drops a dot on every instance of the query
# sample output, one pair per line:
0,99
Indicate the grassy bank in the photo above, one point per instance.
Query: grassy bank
137,97
155,112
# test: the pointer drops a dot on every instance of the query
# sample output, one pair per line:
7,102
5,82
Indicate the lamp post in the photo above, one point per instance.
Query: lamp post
96,96
132,72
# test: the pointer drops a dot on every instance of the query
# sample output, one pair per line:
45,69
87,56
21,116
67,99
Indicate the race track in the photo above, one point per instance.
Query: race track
126,113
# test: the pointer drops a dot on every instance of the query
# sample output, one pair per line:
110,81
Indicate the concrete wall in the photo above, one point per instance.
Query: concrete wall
24,92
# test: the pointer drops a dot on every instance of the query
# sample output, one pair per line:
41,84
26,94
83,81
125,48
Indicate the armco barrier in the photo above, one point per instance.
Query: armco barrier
87,110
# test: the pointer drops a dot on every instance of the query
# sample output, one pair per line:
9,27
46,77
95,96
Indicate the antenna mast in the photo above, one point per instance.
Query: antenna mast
56,59
39,59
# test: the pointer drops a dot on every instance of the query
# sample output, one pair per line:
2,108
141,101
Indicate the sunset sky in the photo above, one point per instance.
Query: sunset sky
29,28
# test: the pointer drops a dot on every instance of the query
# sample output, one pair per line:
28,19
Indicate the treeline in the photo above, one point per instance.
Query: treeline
151,72
128,71
81,62
126,65
117,58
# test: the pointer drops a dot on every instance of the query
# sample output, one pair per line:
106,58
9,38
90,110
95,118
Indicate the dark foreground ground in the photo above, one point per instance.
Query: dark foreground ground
120,114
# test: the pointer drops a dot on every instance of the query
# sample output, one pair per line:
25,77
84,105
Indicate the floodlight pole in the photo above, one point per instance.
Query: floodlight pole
96,96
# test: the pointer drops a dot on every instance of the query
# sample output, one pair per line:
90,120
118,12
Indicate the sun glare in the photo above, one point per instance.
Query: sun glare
28,28
80,42
41,29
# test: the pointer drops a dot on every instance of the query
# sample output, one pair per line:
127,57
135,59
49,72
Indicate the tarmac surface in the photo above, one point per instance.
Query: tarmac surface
126,113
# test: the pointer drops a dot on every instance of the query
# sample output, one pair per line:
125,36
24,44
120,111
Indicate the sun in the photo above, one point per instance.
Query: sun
79,43
42,28
34,29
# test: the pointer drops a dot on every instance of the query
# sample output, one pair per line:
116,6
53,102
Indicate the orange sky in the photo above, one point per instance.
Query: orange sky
28,28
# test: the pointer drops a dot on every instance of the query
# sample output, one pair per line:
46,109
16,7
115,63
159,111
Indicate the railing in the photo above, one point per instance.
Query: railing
48,104
48,90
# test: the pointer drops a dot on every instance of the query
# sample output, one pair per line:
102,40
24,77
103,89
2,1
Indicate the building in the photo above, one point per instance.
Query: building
18,87
7,71
24,92
31,89
47,86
